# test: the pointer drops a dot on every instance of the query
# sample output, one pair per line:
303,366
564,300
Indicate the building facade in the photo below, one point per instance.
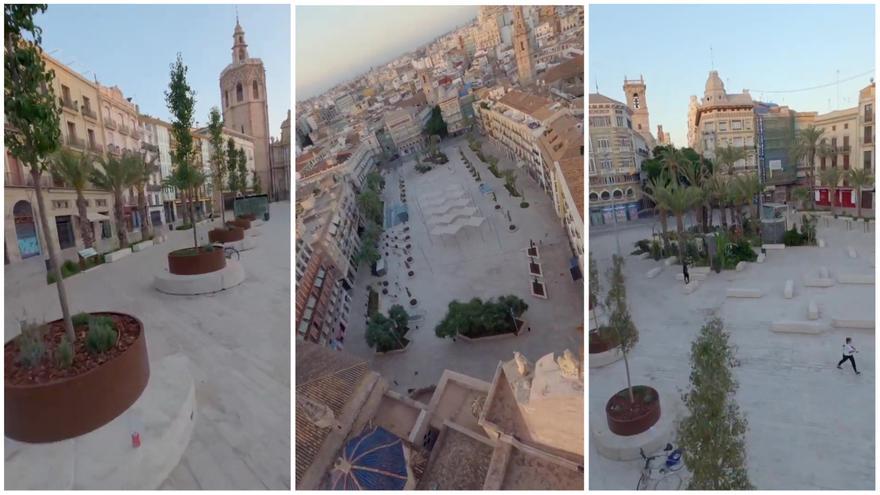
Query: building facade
522,47
722,120
281,161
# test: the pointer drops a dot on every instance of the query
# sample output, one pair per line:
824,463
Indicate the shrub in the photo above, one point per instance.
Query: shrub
656,250
524,204
643,246
792,237
742,250
423,168
64,353
31,346
80,319
102,334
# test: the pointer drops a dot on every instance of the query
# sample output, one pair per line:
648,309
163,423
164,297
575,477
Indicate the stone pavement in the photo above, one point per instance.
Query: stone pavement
484,262
811,426
237,342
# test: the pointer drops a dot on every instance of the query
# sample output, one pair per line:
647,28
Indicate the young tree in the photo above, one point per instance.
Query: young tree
712,436
33,122
830,178
116,175
383,334
232,166
435,124
619,319
594,289
859,179
218,157
181,100
399,317
256,185
242,171
75,169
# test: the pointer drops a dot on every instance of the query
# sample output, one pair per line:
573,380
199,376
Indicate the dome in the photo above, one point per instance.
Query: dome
714,87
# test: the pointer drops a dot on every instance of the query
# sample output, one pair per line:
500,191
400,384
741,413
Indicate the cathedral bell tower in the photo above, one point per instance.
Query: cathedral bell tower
522,48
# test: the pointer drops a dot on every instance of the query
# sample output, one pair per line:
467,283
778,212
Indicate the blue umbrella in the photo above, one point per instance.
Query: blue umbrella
374,460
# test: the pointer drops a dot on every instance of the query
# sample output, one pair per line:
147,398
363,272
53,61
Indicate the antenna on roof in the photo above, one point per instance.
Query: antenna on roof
597,86
711,57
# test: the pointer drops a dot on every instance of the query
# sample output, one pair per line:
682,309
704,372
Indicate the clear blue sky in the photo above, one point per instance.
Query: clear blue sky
132,46
334,44
756,47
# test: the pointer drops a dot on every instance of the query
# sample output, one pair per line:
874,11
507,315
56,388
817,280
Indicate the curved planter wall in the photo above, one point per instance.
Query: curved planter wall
70,407
196,264
636,425
226,235
241,223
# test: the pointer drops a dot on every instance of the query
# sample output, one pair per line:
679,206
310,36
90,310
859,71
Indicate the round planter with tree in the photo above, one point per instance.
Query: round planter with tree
196,261
223,235
632,411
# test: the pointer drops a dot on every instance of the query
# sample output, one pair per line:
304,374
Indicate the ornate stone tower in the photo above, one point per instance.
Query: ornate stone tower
638,103
522,48
245,108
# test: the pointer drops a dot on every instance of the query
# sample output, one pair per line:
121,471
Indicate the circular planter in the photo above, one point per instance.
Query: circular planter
384,292
248,216
409,260
72,406
241,223
624,421
191,262
413,302
599,343
223,236
512,228
497,207
411,273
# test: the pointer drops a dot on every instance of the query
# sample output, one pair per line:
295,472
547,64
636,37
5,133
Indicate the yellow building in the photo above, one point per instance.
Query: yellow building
723,120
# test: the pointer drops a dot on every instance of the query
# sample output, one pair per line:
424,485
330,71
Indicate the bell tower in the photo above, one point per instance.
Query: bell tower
244,102
522,48
637,101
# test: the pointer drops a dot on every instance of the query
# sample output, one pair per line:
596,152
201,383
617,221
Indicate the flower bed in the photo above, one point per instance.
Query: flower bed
47,403
627,418
195,261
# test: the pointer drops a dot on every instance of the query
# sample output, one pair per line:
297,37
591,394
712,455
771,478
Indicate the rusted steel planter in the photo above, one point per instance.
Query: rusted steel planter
231,234
626,423
248,216
241,223
73,406
187,262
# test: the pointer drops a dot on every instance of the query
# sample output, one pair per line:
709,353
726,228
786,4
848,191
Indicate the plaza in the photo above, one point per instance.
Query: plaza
237,343
485,261
810,425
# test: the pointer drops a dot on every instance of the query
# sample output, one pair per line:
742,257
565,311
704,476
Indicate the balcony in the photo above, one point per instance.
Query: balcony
154,188
68,104
137,133
124,129
96,148
114,149
110,124
76,142
89,113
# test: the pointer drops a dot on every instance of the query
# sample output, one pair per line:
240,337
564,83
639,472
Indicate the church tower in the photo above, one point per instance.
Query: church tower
522,47
245,108
634,89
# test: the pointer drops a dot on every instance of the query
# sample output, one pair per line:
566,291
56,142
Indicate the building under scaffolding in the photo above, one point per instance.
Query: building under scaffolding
777,128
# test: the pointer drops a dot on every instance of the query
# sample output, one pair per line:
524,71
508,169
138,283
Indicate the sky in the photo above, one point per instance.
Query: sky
335,44
754,47
132,46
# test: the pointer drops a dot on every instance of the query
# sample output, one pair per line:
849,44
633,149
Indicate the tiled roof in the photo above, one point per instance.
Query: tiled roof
596,98
536,106
566,70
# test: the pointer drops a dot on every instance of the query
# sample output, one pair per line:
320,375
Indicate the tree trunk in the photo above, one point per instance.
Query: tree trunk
85,226
53,256
664,225
679,223
859,201
632,397
193,216
120,220
145,216
812,178
723,211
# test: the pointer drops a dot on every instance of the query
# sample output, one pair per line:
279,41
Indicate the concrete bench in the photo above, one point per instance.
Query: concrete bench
769,247
669,261
141,246
820,242
860,324
852,278
700,269
813,310
789,289
691,287
818,282
116,255
852,252
653,272
823,272
740,266
761,258
744,293
807,327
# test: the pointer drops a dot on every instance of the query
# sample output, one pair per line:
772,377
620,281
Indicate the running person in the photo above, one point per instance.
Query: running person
848,351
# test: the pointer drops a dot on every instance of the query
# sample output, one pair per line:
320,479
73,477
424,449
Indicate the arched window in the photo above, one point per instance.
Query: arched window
594,197
605,195
618,194
629,192
256,90
239,92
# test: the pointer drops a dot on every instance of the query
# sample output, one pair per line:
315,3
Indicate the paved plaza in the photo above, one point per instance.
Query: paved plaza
237,342
811,426
486,261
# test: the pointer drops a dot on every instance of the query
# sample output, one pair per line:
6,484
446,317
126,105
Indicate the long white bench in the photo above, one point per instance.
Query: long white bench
808,327
740,266
773,246
761,258
861,324
813,310
852,252
116,255
744,293
700,269
789,289
821,242
669,261
853,278
818,282
141,246
653,272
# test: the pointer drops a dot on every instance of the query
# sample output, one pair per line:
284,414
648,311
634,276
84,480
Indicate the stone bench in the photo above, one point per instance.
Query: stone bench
691,287
653,272
851,252
823,272
694,276
761,258
820,242
141,246
813,310
740,266
789,289
818,282
769,247
669,261
116,255
700,269
860,324
808,327
852,278
744,293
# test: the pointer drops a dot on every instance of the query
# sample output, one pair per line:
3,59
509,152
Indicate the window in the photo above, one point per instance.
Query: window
869,134
636,104
620,121
600,121
736,125
256,90
722,126
846,143
226,97
87,104
867,160
834,128
241,54
65,93
738,142
834,142
92,143
64,226
239,92
618,194
605,195
607,164
100,202
60,204
846,126
869,112
709,127
603,144
106,232
594,197
846,162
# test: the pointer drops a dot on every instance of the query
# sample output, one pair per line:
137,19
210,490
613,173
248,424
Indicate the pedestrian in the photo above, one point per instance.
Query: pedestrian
684,270
530,329
848,351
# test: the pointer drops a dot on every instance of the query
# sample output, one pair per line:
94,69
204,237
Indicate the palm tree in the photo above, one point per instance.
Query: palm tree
75,169
657,190
681,199
673,162
749,186
716,187
697,174
801,194
143,171
859,178
830,178
728,156
804,147
116,175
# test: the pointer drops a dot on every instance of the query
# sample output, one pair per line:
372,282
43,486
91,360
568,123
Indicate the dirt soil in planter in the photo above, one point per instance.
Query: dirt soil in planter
602,340
620,408
127,330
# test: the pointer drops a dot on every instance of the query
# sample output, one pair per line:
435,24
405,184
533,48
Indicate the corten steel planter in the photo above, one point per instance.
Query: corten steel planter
241,223
231,234
599,343
648,414
73,406
248,216
180,263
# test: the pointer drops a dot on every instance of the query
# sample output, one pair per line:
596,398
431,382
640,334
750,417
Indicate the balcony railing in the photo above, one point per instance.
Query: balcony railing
76,142
68,104
88,112
110,124
124,129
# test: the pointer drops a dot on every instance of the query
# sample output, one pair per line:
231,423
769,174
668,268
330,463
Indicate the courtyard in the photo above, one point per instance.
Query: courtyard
485,261
810,425
237,343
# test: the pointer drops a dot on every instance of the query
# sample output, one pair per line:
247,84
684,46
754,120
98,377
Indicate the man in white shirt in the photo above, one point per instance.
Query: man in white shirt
848,351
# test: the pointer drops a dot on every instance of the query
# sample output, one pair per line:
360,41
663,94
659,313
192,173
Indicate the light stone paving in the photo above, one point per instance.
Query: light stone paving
237,342
811,426
486,261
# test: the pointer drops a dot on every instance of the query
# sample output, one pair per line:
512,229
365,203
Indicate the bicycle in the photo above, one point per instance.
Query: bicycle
229,252
661,470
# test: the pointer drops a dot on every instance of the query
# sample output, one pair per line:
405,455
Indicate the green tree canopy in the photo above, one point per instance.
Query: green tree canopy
435,124
478,318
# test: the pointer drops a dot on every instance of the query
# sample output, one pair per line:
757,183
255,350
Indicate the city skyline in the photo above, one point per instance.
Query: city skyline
361,40
740,52
140,66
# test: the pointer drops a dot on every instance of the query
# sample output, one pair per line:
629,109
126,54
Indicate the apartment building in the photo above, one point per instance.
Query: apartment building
722,120
450,109
840,144
157,139
405,125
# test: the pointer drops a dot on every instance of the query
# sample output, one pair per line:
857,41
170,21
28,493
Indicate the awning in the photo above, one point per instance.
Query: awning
97,217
